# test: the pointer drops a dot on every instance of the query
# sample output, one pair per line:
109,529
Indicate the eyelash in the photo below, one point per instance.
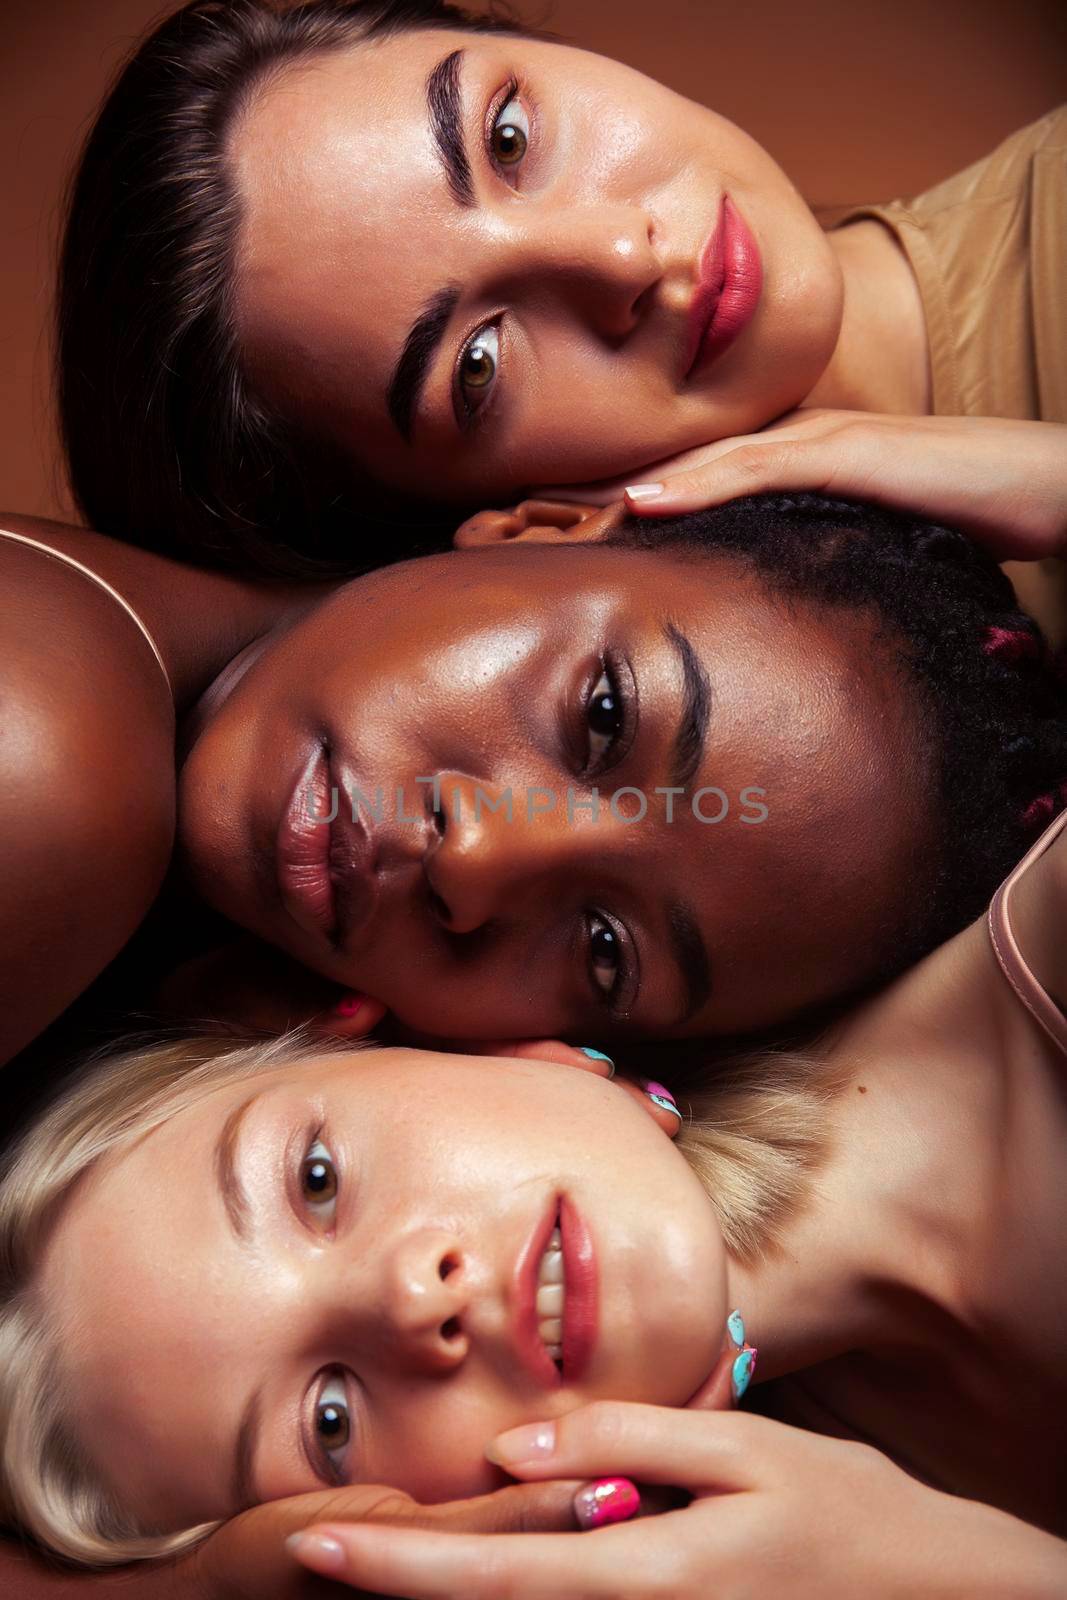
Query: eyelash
622,684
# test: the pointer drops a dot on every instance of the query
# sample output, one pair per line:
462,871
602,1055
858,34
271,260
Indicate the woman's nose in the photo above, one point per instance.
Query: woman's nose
600,259
425,1293
495,846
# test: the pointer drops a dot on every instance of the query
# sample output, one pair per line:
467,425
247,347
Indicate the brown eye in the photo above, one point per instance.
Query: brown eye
604,718
318,1176
478,366
605,956
511,134
333,1422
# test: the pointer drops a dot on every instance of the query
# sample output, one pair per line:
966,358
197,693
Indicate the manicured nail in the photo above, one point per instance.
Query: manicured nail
661,1096
317,1551
598,1055
643,491
350,1006
606,1500
518,1445
741,1373
735,1327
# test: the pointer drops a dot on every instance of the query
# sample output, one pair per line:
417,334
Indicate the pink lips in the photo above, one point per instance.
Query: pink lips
580,1293
325,855
303,849
580,1298
728,291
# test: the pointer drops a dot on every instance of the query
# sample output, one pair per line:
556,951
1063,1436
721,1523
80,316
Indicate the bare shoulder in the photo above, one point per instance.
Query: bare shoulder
1039,917
86,787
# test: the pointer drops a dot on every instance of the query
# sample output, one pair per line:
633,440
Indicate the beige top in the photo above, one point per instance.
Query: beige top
989,251
988,248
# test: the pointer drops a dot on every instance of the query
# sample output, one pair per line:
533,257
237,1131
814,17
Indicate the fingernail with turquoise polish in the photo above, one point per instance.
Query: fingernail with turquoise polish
741,1373
661,1096
735,1327
598,1055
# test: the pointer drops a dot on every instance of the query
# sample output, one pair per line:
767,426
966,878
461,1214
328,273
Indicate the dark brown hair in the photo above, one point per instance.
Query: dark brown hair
166,445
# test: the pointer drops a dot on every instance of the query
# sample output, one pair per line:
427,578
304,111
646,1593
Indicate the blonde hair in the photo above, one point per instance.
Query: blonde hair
754,1137
46,1486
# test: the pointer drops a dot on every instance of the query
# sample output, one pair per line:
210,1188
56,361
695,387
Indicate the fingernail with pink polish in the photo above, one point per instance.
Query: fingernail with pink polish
661,1096
605,1501
350,1006
317,1551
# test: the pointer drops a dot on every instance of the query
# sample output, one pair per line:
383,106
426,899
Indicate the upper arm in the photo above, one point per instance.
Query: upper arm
86,794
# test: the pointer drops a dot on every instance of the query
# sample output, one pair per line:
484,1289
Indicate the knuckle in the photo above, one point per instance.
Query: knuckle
751,460
675,1572
375,1505
604,1423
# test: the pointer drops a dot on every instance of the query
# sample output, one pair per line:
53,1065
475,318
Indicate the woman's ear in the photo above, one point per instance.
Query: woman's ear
539,522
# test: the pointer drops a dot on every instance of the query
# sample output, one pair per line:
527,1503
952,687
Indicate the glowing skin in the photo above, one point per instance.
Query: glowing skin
394,1301
576,264
483,671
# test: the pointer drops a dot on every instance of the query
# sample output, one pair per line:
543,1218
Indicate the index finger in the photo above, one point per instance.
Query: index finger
701,1451
627,1558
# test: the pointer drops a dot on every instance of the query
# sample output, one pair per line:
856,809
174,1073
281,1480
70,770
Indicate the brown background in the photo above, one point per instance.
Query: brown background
858,99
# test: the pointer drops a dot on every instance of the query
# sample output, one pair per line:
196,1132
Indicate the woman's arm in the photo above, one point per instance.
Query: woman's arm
86,788
247,1559
775,1511
1004,482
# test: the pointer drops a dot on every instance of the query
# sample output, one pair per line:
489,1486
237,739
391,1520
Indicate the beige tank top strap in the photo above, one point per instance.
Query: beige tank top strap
1031,992
101,583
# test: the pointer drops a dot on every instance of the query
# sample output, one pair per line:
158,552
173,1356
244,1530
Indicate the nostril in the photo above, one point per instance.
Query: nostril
448,1265
440,820
450,1330
440,909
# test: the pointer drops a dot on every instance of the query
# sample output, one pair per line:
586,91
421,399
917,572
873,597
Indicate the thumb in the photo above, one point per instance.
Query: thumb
519,1508
243,1558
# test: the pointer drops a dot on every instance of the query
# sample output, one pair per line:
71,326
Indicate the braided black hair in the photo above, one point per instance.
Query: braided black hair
994,702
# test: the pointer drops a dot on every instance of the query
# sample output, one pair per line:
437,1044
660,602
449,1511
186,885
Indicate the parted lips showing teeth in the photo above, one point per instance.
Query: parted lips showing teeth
550,1297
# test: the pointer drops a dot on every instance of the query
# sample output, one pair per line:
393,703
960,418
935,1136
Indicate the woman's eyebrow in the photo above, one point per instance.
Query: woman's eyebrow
444,106
245,1494
231,1188
691,957
415,360
692,730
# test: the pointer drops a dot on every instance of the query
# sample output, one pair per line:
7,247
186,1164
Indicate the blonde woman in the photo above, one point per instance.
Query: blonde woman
375,1263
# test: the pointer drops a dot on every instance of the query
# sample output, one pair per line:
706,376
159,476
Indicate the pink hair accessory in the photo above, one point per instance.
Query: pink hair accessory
1009,644
350,1006
1043,809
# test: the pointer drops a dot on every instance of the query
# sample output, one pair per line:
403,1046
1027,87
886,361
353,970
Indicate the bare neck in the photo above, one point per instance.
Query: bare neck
944,1095
881,361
